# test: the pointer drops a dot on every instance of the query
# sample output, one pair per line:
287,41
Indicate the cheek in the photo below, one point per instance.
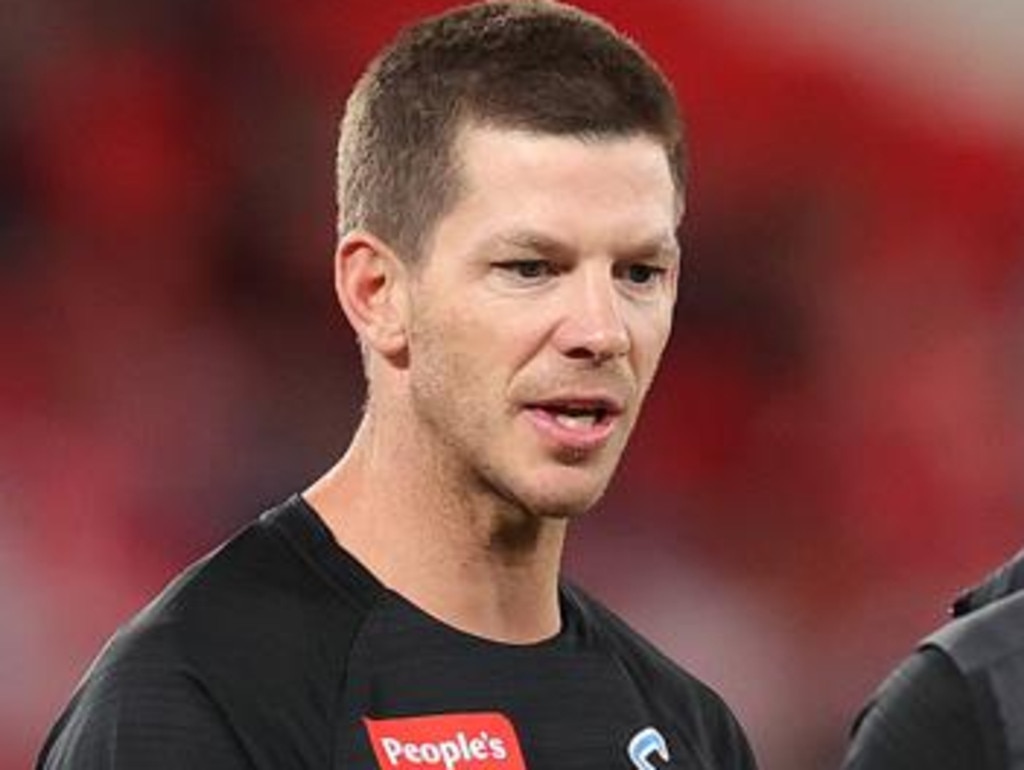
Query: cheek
497,339
650,338
451,358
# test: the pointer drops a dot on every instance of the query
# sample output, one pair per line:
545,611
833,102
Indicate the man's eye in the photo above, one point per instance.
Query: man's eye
527,269
641,274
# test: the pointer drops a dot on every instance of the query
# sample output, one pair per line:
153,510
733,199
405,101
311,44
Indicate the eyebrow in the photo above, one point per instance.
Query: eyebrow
658,247
536,242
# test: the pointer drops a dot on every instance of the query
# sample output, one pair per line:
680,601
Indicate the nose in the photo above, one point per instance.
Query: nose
593,327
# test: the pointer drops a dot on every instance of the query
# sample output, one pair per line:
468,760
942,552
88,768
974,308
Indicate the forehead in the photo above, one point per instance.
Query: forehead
573,187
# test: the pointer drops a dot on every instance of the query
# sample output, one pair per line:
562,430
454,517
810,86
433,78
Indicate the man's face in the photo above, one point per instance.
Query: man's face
540,310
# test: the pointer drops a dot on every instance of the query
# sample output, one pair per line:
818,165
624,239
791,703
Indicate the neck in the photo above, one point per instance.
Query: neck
456,550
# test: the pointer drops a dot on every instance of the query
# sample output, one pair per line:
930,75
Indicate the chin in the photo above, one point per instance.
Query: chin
549,490
564,498
561,510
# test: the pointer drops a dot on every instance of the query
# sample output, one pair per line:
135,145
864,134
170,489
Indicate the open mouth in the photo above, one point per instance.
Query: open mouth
579,415
580,425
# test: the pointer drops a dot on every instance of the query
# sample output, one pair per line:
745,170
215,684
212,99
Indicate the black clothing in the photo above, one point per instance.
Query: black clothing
922,717
280,651
958,702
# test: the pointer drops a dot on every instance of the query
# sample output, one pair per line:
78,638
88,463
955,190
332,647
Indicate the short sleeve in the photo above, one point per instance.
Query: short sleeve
923,716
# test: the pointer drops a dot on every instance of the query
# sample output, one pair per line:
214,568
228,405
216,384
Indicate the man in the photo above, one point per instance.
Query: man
510,184
958,702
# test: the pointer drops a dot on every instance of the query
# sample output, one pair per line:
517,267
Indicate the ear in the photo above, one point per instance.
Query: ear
371,283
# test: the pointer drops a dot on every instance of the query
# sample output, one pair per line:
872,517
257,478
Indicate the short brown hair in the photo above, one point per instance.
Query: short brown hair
534,65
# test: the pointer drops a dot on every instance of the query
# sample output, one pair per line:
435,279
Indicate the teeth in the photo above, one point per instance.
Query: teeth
576,421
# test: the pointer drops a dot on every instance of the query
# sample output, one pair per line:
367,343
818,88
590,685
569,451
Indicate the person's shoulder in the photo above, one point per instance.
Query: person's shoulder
923,715
986,635
638,654
700,710
255,630
270,588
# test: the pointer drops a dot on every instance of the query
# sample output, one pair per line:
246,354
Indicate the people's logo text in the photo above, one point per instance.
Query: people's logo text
472,741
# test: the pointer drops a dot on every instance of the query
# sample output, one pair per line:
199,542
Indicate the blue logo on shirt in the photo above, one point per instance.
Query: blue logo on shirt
646,744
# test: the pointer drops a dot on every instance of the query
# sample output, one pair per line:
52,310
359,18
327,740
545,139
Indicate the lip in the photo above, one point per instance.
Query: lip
579,438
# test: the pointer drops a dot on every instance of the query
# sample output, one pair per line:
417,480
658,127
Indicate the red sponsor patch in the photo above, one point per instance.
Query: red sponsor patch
475,741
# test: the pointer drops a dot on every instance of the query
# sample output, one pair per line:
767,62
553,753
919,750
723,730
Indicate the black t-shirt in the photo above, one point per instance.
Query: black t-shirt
926,715
280,651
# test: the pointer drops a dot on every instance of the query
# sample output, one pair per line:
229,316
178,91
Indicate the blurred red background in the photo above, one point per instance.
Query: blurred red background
832,450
